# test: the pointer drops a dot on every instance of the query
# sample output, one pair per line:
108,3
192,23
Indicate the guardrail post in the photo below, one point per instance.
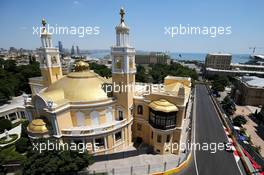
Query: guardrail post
165,164
148,168
131,170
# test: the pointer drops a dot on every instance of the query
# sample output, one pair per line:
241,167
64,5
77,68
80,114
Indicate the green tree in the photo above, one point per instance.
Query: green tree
10,65
220,82
159,72
228,105
102,70
141,75
56,162
14,79
9,85
24,73
239,120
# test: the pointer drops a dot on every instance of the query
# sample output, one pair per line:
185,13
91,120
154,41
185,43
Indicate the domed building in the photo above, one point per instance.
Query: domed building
76,107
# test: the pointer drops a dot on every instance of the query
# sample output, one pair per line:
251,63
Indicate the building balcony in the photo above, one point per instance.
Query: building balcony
90,130
122,49
162,120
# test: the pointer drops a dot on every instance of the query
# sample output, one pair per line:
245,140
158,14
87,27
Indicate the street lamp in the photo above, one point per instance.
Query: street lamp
50,104
25,96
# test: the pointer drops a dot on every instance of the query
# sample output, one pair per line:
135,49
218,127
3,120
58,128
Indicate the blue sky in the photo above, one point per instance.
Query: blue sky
146,20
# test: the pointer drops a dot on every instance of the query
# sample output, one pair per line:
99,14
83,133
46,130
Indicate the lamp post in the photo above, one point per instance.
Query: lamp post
50,104
25,96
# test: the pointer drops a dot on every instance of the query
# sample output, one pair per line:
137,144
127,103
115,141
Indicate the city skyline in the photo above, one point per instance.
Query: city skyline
147,34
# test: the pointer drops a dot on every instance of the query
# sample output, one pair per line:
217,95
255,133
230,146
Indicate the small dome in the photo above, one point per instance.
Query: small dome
81,66
37,126
163,106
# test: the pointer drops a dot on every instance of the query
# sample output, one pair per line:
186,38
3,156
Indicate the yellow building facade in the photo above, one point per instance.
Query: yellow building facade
77,108
158,116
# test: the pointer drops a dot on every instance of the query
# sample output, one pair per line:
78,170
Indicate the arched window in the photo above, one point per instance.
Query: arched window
108,115
95,118
80,119
120,115
40,105
140,109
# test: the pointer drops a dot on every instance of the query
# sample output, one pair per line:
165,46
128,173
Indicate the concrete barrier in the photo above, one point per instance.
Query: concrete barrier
181,167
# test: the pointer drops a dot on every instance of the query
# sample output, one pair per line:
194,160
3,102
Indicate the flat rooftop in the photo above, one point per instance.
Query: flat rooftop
234,71
16,102
253,81
247,65
220,54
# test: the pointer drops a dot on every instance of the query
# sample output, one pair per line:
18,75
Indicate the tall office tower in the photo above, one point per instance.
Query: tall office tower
72,51
60,47
77,50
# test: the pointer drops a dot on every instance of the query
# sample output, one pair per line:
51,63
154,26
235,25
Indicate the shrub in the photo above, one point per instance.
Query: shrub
5,124
3,170
12,136
8,154
22,145
24,129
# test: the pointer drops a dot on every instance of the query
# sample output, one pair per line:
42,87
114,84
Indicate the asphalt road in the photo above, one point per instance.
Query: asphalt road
208,129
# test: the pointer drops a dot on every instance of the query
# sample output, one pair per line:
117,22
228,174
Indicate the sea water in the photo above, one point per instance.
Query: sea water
236,58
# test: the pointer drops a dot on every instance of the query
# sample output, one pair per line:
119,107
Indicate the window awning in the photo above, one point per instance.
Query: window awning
163,106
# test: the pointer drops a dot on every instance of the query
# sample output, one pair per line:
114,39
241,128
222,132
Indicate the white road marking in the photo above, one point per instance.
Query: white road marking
194,132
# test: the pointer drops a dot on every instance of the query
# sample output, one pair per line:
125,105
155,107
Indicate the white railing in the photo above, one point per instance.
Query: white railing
90,131
123,49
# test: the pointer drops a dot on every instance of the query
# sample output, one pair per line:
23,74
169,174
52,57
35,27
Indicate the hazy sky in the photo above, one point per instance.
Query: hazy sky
146,19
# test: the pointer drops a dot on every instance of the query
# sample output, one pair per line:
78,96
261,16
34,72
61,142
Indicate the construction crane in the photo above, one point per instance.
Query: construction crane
254,49
256,56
